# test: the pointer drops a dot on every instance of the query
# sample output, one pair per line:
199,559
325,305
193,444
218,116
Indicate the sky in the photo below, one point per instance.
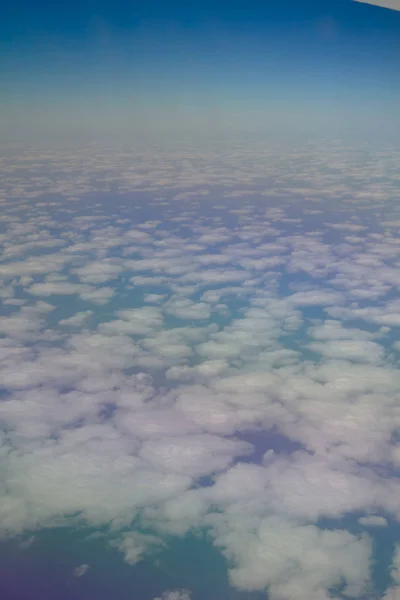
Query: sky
199,301
95,70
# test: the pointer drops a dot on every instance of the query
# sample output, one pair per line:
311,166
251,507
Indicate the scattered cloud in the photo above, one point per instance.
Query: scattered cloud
230,366
175,595
80,571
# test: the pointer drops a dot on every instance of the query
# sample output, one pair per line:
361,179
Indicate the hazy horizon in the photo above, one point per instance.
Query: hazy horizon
84,71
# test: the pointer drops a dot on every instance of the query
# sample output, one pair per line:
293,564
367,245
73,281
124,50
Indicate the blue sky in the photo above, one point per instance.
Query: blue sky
100,68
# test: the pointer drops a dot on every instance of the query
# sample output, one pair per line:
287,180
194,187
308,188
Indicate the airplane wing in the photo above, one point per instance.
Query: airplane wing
392,4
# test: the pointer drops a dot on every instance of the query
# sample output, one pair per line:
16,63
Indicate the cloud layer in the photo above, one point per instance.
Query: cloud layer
211,348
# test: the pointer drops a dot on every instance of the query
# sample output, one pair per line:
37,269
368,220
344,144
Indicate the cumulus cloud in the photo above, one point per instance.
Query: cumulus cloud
393,592
296,561
174,595
136,545
206,371
80,571
373,521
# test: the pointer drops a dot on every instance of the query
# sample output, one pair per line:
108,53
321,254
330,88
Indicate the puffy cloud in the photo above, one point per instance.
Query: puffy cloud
193,455
360,351
174,595
393,592
60,288
239,380
79,571
185,309
316,298
303,561
98,272
136,545
77,320
373,521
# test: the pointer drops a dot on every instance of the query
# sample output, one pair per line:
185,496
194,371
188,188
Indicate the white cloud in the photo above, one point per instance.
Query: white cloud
193,455
395,572
206,389
316,298
373,521
98,272
393,593
78,320
58,289
296,561
98,296
362,351
136,545
175,595
185,309
79,571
